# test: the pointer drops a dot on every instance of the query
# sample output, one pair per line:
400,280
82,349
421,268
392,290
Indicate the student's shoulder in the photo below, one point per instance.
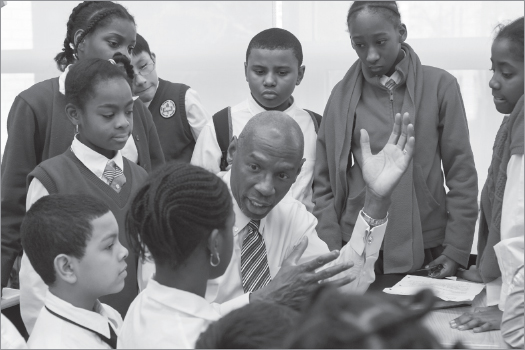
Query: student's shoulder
41,92
437,75
168,88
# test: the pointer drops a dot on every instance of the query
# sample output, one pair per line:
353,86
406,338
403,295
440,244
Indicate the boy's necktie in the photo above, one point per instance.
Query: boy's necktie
255,272
114,175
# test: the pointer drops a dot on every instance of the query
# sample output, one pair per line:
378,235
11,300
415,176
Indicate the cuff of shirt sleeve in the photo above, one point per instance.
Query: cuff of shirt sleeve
459,256
363,238
493,292
234,304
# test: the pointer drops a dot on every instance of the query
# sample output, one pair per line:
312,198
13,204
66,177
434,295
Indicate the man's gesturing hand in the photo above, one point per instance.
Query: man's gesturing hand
293,283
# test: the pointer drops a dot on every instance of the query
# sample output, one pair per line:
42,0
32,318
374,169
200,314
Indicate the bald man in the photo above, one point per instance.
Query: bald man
277,255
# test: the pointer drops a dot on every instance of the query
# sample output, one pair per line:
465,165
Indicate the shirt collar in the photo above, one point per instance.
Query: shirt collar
96,320
256,108
94,161
241,220
62,82
187,302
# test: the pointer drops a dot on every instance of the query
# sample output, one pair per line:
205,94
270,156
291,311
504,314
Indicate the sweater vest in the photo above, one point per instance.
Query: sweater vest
66,174
168,109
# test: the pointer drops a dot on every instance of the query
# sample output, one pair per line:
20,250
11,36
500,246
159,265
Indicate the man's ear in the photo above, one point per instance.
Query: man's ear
300,167
300,76
403,33
153,57
246,70
65,268
232,149
73,114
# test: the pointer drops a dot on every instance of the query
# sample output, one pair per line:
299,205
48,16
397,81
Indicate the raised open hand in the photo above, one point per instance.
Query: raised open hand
383,171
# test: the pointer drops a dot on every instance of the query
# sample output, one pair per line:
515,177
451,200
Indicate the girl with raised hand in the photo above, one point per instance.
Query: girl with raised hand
427,226
37,125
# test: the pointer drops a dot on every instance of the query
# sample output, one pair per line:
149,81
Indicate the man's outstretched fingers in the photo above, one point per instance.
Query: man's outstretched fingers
396,130
342,281
320,261
333,271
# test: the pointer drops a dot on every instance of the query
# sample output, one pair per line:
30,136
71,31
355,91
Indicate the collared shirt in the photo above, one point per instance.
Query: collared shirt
165,318
282,229
32,287
11,338
207,152
509,251
52,332
130,148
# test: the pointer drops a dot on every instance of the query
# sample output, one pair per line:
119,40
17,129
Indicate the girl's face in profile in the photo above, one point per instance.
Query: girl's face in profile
507,81
107,117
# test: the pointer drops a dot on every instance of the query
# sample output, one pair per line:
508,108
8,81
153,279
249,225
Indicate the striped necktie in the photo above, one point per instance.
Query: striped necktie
390,84
114,175
255,272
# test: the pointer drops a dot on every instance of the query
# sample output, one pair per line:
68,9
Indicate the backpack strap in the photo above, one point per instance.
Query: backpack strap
222,121
316,118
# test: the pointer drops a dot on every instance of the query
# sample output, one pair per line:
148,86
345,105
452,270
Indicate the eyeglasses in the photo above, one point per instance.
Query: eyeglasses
145,69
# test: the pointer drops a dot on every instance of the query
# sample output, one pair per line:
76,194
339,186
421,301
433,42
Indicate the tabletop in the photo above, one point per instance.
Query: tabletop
438,320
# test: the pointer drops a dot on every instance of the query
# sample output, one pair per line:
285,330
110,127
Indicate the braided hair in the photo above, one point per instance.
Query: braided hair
86,74
87,16
388,9
175,211
513,32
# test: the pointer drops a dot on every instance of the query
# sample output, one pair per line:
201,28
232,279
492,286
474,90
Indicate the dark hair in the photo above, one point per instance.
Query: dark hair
513,32
386,8
58,224
258,325
86,74
141,45
175,211
88,16
276,39
336,320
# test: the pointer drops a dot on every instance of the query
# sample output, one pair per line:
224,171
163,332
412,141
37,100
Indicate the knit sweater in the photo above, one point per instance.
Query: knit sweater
66,174
441,135
38,129
173,128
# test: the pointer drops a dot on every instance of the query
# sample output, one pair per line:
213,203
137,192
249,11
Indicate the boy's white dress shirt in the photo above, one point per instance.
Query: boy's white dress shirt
32,287
11,338
282,229
165,318
207,152
52,332
509,251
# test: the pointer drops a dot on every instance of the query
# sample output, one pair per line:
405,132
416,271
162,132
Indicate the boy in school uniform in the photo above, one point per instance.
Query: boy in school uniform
273,69
176,108
72,241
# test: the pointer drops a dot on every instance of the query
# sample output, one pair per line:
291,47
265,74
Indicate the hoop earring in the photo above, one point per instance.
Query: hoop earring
76,130
218,260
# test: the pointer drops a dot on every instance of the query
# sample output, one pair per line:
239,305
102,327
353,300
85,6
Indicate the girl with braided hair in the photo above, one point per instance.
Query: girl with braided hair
99,105
37,125
182,216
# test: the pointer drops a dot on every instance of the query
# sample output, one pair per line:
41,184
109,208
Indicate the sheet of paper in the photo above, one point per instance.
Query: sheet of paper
443,288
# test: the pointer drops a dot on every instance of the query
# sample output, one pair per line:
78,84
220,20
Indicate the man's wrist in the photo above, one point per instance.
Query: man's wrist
376,207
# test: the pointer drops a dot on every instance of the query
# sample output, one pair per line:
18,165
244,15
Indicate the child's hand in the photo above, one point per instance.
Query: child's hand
482,319
449,267
472,274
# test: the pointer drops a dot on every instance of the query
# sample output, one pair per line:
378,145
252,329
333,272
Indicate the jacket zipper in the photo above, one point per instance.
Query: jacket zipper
391,91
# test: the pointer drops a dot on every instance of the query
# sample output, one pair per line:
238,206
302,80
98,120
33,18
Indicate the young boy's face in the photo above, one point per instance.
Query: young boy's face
144,84
272,76
102,269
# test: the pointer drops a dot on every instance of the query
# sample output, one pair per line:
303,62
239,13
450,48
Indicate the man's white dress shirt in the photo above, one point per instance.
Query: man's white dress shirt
509,251
32,287
52,332
282,229
512,321
207,152
165,318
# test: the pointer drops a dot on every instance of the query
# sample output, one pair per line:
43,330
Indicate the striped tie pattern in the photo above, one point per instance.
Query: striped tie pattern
255,272
390,84
114,175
